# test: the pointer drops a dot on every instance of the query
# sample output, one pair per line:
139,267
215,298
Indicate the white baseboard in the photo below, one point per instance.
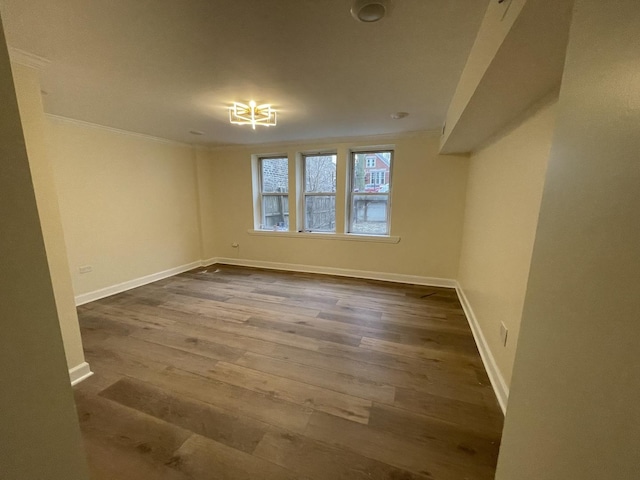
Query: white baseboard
293,267
208,261
136,282
495,376
79,373
82,371
341,272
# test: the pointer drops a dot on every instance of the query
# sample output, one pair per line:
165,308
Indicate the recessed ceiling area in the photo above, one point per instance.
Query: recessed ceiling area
167,68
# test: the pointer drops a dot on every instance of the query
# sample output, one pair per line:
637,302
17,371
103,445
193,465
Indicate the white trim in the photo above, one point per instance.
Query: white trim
319,144
208,262
27,59
82,371
341,272
83,123
327,236
136,282
79,373
497,380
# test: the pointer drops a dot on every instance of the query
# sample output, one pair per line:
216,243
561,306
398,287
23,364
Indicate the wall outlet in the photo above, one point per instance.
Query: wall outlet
85,269
504,333
235,244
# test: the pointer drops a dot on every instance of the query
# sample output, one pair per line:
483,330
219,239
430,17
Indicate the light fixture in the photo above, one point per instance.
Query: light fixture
252,114
369,11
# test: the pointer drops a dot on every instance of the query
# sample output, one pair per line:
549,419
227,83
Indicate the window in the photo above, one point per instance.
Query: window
317,208
274,198
369,193
378,177
319,195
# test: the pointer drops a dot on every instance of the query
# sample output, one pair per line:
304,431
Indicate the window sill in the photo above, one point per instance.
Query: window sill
352,237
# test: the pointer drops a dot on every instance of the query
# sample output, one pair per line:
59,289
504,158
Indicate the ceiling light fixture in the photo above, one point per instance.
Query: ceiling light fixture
369,11
252,114
399,115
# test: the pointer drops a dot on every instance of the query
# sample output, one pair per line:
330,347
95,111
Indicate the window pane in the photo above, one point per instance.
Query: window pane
275,175
275,212
320,173
369,214
371,172
320,213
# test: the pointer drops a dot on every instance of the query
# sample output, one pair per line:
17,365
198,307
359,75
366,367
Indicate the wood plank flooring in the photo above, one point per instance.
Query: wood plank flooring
236,373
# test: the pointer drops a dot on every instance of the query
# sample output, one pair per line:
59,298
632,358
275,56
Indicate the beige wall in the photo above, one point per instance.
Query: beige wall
39,434
573,412
206,170
503,200
129,203
27,86
427,209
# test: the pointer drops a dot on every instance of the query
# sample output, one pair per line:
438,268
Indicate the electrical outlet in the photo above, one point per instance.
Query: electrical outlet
85,269
504,333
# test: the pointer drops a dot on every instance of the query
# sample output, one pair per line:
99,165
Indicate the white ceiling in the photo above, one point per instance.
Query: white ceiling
165,67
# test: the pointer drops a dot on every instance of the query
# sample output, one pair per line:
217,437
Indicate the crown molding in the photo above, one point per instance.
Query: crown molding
82,123
28,59
381,139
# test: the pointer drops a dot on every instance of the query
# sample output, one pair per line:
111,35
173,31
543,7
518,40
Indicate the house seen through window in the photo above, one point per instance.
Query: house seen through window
369,193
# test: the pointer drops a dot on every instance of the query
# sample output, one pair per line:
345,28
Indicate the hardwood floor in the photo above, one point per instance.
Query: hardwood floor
237,373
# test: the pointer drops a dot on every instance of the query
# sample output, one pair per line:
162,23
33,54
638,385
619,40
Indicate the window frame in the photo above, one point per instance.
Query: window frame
262,194
305,194
350,191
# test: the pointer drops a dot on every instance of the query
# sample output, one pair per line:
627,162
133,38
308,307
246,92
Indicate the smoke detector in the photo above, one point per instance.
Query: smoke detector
370,11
